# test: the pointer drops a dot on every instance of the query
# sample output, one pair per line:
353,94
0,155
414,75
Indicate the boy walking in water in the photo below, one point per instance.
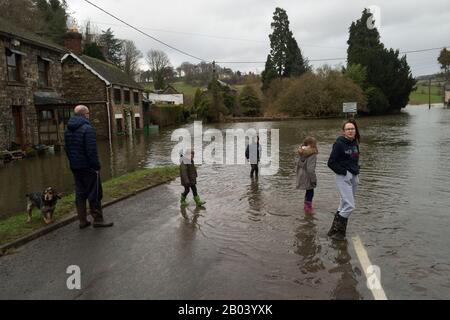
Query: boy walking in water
188,175
253,154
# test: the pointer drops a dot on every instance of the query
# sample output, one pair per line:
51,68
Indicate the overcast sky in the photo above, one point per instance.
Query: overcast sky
237,30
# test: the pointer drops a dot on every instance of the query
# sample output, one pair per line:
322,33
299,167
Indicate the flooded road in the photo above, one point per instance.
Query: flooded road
253,240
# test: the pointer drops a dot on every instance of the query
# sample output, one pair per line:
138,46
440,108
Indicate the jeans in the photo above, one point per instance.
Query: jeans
186,190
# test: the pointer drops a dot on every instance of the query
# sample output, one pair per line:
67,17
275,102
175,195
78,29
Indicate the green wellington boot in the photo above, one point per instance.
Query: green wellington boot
183,202
198,202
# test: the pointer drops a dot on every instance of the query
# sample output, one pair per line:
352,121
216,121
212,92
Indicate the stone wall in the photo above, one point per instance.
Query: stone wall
21,93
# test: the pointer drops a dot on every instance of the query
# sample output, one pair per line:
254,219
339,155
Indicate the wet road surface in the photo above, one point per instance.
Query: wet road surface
253,240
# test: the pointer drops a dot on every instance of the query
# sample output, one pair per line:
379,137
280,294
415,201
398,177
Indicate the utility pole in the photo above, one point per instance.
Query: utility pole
214,70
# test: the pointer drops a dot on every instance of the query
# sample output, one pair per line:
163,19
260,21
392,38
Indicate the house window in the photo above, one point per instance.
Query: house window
138,122
46,114
13,64
126,95
117,96
119,125
136,98
43,67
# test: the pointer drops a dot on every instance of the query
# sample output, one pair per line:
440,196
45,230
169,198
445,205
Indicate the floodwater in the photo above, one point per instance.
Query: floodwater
259,227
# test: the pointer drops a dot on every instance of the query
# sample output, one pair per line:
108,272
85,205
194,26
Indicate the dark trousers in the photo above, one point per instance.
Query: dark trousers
309,195
254,170
186,190
88,187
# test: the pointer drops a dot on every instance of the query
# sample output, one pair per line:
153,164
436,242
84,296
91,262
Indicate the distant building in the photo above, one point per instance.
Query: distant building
167,96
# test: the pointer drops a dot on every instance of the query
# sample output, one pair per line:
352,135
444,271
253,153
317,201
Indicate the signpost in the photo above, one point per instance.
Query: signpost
350,107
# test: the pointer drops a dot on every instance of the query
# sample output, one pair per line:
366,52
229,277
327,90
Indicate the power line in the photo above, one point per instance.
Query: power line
146,34
213,36
328,59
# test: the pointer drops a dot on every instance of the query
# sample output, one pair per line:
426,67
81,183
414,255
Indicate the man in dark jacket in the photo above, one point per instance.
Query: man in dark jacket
81,149
253,154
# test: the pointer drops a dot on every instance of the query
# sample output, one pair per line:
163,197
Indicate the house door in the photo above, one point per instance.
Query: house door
17,133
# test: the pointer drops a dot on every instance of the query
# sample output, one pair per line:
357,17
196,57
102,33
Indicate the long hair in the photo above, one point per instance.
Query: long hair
353,122
312,143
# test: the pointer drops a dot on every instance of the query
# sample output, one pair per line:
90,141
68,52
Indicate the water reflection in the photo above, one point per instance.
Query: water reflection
308,246
254,198
346,286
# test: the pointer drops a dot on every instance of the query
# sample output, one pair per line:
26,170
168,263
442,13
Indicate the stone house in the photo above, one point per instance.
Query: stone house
30,88
114,99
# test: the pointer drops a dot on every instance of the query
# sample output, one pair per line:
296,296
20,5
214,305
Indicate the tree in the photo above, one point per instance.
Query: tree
444,61
158,62
188,70
250,103
130,57
23,13
268,74
295,64
357,73
113,47
92,50
197,100
285,58
54,13
317,94
388,77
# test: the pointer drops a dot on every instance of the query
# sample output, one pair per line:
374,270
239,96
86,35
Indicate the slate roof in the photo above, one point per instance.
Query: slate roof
107,72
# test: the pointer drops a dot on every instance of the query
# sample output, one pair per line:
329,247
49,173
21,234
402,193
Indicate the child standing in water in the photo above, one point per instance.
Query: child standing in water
306,171
188,175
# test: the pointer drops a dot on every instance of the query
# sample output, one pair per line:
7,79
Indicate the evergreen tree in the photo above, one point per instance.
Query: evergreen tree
285,58
268,74
92,50
251,105
54,14
113,46
388,77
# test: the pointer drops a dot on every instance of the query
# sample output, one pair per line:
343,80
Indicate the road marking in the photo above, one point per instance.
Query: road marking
377,290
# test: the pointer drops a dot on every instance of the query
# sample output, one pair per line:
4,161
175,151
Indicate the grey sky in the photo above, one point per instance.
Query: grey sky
231,30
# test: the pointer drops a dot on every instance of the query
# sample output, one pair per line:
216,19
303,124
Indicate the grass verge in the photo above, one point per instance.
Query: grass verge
16,226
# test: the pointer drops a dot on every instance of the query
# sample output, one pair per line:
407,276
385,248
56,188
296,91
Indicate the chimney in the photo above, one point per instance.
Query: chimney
72,41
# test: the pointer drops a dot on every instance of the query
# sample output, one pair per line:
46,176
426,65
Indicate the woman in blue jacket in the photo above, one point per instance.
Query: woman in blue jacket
344,161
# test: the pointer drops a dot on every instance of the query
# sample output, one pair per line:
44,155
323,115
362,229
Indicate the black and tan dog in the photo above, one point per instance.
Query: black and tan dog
45,201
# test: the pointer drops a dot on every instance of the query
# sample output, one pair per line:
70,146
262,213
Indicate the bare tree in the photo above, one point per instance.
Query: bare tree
130,58
158,62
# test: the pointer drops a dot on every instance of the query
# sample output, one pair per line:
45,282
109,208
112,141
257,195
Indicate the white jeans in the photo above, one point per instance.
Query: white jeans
347,186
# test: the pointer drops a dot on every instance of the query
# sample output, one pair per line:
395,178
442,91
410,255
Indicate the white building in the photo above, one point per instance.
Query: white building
167,96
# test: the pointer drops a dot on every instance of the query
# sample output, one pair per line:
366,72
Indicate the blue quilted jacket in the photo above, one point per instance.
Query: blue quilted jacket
81,144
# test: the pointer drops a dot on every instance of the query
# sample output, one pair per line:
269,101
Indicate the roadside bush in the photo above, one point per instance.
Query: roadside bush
316,94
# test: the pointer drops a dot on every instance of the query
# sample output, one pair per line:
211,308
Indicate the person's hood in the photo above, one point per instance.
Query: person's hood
343,139
75,122
306,151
